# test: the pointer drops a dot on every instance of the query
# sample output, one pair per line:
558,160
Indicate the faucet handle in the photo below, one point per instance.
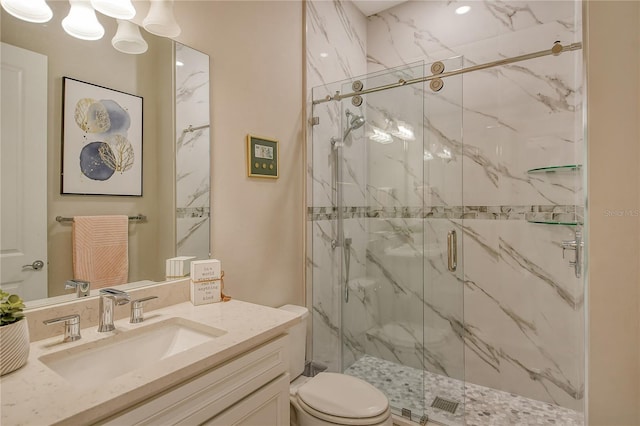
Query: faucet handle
82,287
137,314
71,326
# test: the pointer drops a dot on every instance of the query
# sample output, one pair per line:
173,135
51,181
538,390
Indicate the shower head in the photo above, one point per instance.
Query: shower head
355,122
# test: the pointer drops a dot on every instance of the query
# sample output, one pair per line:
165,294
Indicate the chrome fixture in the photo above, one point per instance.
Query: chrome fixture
576,245
436,85
192,129
137,314
108,298
356,100
139,217
452,251
355,122
357,86
555,50
71,326
36,265
347,264
437,68
82,287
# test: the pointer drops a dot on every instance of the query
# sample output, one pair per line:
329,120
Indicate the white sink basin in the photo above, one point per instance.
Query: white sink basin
100,361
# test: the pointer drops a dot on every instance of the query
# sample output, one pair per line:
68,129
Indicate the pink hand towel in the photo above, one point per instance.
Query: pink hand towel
101,250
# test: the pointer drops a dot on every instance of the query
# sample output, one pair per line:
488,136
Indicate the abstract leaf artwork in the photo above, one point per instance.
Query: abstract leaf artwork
102,143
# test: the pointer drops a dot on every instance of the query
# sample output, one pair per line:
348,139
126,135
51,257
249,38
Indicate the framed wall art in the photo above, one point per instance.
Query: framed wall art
101,140
262,157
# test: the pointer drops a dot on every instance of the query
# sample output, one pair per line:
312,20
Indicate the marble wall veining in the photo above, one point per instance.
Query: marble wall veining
192,153
512,316
335,51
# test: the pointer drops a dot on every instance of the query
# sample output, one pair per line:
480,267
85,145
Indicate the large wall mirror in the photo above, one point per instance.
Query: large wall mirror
173,81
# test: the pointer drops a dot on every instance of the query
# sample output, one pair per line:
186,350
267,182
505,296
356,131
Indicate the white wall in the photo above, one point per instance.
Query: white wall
614,186
256,87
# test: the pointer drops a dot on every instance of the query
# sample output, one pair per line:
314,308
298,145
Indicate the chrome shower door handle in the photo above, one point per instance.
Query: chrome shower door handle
452,251
577,245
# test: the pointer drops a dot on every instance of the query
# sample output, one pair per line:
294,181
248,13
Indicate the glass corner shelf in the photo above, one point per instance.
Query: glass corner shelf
550,169
549,222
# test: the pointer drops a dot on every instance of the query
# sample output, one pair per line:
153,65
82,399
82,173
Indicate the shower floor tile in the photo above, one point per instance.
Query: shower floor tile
484,406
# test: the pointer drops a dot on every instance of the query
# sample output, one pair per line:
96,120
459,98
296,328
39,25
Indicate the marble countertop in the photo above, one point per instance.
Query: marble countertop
36,395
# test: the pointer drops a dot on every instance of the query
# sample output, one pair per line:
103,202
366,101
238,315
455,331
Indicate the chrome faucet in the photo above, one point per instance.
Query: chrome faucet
108,298
82,287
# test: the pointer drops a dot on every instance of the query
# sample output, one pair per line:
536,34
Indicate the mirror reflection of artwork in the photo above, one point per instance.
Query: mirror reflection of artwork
102,143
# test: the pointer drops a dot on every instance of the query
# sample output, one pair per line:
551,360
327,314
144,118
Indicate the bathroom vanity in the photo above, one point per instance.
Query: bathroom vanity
226,364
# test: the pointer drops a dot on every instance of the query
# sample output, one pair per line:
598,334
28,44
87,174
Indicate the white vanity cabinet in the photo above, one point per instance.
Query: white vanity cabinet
250,389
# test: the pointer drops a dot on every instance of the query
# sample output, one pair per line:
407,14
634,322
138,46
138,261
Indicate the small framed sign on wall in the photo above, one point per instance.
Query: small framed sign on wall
262,157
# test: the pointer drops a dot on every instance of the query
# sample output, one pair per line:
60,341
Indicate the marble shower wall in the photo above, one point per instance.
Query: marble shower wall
522,327
523,307
192,152
336,50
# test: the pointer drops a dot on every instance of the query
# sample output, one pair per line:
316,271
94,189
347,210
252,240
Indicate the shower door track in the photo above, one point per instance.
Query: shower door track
556,50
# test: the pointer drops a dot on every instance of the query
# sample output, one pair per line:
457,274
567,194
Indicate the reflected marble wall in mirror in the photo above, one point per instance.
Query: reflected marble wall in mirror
149,75
192,152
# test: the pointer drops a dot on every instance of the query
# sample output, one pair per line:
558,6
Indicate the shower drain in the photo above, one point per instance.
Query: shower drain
445,404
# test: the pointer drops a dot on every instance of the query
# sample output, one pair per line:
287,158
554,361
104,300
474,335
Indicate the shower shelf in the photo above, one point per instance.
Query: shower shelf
552,169
549,222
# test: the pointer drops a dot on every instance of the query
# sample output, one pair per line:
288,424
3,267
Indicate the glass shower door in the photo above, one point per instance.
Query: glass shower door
444,329
399,181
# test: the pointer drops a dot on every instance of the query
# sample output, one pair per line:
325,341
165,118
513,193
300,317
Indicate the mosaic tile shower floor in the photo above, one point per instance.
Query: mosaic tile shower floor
484,406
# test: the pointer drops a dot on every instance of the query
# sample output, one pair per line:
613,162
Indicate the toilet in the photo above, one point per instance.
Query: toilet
329,398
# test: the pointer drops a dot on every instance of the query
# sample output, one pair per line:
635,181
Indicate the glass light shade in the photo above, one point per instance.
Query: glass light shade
128,38
119,9
81,22
28,10
160,20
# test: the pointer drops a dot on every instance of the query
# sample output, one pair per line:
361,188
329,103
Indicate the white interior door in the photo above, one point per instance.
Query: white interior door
23,180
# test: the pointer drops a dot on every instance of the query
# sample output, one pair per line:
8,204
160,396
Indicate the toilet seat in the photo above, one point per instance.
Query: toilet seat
344,420
343,399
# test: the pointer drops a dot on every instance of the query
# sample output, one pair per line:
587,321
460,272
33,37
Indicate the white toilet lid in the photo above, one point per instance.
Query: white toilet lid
340,395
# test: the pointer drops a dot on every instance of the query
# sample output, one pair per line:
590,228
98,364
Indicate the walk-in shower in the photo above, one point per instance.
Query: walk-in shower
486,160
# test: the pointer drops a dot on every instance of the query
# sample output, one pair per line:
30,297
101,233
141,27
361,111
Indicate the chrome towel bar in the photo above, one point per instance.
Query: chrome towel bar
138,217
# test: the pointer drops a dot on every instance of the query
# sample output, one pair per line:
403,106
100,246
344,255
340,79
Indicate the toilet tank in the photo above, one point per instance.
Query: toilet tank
297,340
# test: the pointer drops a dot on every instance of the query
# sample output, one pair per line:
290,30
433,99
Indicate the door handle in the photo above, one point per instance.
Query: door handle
452,251
36,265
577,246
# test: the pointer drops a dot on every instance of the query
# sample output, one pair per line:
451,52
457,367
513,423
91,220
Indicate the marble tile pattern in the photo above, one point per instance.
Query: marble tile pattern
537,213
511,317
192,153
415,390
336,51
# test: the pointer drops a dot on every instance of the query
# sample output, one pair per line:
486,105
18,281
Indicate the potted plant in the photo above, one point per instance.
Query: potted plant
14,333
